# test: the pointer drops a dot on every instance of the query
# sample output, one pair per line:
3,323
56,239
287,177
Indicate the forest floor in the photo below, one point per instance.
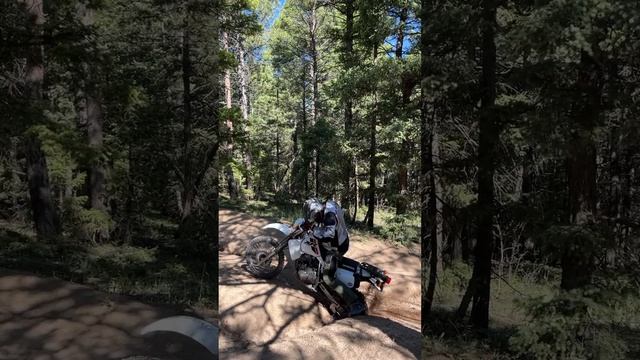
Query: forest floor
81,300
49,319
278,319
151,267
450,338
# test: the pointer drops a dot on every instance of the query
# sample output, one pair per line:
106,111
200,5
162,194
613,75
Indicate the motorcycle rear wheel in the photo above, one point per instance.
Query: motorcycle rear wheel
258,249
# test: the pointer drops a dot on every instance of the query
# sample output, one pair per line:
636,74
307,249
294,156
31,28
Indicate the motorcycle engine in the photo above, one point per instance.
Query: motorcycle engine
307,269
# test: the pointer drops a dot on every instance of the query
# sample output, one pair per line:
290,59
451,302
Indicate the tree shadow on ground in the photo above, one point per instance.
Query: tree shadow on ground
359,338
50,319
403,336
267,313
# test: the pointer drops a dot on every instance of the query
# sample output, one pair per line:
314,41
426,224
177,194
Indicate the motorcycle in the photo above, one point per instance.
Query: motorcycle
265,258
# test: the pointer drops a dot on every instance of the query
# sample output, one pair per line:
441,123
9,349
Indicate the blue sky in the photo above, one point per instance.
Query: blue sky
276,14
411,26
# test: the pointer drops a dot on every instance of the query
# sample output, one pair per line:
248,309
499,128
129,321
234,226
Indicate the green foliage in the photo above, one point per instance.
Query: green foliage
121,260
284,137
153,273
401,229
583,239
127,57
568,325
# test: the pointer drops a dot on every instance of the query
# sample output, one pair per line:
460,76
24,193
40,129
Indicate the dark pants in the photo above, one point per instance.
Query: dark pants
342,249
329,276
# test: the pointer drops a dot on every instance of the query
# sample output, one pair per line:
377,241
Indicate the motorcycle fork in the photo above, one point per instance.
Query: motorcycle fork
281,246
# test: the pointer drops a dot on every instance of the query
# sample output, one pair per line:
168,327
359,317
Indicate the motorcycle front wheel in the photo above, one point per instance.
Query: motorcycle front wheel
260,248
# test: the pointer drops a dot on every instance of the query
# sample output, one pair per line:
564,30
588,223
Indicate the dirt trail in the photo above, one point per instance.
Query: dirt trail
49,319
279,319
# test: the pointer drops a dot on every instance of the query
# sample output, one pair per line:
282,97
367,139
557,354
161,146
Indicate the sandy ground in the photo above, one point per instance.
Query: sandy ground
279,319
49,319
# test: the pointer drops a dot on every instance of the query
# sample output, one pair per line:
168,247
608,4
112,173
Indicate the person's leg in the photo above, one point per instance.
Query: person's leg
354,305
342,249
347,294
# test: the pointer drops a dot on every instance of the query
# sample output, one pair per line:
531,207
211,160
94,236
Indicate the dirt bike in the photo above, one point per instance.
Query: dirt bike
265,258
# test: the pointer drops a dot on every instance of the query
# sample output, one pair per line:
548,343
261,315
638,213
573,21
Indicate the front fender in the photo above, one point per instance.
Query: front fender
284,229
199,330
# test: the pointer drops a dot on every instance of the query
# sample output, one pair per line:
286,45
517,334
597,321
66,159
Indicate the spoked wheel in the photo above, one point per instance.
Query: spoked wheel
259,249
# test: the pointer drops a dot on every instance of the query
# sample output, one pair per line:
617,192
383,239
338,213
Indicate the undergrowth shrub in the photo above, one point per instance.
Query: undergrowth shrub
401,229
122,260
83,223
569,325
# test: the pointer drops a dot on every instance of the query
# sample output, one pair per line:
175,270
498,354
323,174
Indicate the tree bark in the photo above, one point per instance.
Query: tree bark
188,193
315,104
425,167
313,33
487,154
97,172
243,71
402,19
401,198
435,207
44,213
348,105
294,153
373,160
232,184
433,211
305,170
431,217
94,118
578,258
356,199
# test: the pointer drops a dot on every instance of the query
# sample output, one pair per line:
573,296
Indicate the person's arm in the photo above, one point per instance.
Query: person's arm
328,231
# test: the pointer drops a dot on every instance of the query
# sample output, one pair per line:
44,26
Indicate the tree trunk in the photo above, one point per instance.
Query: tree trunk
243,71
45,216
94,118
373,160
188,193
433,211
294,153
313,30
487,151
356,183
232,185
97,173
317,172
315,104
401,198
348,106
16,183
436,194
402,19
425,167
430,214
305,169
578,259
